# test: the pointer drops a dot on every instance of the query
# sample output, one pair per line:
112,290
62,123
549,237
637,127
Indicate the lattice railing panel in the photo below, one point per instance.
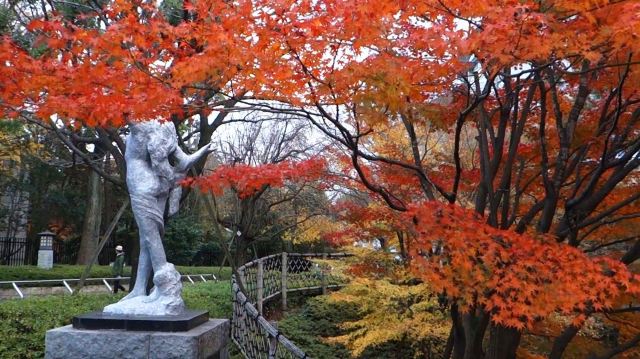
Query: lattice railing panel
272,275
262,280
249,335
250,281
285,353
302,273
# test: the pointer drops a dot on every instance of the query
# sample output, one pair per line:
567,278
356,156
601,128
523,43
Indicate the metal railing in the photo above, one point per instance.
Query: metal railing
16,284
265,279
16,251
19,251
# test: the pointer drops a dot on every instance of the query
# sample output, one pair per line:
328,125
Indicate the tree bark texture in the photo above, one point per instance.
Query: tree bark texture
92,219
503,342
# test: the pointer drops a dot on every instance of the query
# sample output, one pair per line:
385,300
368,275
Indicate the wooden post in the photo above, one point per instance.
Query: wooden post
103,241
323,277
242,283
273,343
260,285
284,280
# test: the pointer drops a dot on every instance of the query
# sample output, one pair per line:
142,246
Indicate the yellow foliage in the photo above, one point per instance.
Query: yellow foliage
312,230
13,142
396,309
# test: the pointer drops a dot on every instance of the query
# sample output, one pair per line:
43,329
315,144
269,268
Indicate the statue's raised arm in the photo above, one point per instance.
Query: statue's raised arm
152,181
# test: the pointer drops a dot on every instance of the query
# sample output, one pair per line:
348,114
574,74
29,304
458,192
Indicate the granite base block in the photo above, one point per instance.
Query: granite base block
186,321
206,341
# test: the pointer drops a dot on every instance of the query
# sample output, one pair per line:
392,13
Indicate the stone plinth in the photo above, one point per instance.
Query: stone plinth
206,341
45,258
185,321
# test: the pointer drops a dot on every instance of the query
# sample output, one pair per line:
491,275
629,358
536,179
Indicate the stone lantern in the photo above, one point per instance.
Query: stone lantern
45,253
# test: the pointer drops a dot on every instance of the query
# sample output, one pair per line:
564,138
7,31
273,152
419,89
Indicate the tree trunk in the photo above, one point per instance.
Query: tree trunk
562,341
133,247
241,256
103,241
92,220
503,342
458,333
474,326
403,248
468,332
448,349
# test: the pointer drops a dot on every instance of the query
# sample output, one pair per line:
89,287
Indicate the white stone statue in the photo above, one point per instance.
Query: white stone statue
155,164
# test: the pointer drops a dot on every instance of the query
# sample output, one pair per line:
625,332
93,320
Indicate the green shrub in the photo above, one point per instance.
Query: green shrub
223,274
182,238
187,242
23,323
59,271
212,296
317,318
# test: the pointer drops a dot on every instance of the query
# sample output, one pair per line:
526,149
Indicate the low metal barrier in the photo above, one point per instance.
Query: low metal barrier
265,279
16,284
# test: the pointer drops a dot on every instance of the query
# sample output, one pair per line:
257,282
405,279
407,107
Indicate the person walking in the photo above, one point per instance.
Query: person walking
118,264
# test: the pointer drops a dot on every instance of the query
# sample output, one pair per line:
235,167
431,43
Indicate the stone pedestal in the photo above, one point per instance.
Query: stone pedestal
206,341
45,258
187,320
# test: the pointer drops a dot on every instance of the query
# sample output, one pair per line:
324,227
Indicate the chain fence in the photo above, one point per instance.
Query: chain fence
266,279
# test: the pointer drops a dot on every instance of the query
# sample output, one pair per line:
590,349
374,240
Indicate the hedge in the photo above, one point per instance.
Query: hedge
23,323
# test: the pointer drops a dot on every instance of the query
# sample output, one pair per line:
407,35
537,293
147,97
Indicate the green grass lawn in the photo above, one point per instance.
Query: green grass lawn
62,271
24,322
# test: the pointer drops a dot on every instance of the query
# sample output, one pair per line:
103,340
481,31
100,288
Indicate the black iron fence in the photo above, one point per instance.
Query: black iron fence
17,251
64,252
107,255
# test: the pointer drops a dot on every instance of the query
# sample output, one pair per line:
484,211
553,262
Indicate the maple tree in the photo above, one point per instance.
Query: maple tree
78,135
248,181
521,116
554,147
267,184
